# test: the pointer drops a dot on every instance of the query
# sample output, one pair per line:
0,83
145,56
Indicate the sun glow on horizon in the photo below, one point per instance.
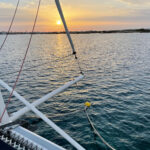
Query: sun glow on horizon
58,22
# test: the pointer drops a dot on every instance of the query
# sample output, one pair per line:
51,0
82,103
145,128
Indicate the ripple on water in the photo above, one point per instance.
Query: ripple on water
117,82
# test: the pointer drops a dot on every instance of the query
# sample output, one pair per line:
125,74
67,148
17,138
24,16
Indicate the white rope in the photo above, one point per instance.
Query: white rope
96,132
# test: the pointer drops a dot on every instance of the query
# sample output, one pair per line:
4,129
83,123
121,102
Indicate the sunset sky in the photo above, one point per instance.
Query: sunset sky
79,14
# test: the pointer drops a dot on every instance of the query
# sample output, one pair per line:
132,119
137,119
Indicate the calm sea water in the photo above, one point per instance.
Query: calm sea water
117,83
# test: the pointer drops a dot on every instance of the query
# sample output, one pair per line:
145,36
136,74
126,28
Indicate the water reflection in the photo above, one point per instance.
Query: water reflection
117,82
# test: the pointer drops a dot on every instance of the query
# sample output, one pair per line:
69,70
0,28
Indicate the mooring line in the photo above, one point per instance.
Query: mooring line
87,105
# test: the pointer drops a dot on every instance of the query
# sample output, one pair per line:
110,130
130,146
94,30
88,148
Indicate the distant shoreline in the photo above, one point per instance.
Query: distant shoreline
87,32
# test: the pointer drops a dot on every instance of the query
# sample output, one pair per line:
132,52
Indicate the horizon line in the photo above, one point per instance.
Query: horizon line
78,32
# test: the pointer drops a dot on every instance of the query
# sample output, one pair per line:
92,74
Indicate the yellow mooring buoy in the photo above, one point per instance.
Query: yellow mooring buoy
87,104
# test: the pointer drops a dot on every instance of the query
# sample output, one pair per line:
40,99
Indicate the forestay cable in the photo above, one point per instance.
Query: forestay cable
10,96
11,23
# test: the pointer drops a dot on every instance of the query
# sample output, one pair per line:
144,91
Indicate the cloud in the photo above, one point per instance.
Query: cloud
86,14
137,2
6,5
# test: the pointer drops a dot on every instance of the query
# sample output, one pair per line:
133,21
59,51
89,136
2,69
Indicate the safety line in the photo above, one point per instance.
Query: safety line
10,25
10,96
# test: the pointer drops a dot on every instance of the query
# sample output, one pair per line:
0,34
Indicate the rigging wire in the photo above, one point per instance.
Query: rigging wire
78,63
21,68
95,131
68,33
11,23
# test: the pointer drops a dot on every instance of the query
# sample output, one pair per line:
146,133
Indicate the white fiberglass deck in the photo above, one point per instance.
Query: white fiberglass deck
34,139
